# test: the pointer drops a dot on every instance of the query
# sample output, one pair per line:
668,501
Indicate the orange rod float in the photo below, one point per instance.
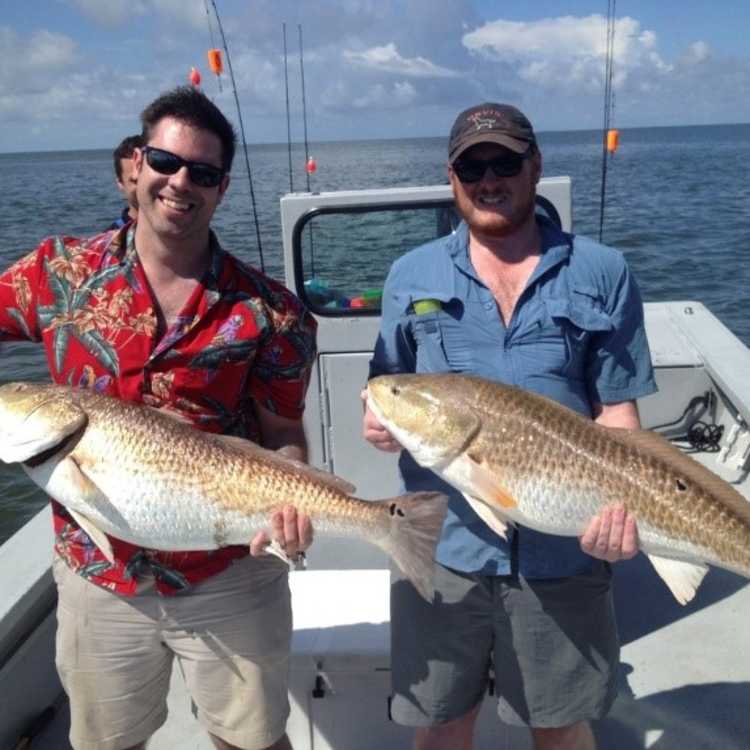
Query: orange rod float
215,62
613,140
194,76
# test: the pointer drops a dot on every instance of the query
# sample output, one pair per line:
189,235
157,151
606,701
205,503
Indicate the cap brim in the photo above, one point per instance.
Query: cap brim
514,144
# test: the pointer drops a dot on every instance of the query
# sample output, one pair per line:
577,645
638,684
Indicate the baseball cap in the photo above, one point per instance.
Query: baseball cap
490,123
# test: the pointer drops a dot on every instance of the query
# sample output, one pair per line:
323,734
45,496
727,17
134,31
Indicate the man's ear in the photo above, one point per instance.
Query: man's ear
537,165
137,161
223,185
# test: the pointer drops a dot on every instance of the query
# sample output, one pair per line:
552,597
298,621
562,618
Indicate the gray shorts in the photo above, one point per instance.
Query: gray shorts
552,645
230,635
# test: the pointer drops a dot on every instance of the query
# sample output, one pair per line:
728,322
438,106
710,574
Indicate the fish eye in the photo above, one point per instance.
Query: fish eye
395,390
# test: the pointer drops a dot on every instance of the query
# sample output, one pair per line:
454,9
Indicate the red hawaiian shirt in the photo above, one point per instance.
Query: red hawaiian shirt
241,339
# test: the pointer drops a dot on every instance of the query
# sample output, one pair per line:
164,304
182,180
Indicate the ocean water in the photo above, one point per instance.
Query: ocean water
675,204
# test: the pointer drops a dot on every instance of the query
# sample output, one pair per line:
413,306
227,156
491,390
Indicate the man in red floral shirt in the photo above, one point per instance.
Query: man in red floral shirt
157,312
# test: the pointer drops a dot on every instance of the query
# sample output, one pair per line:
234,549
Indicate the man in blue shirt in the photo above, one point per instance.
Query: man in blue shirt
511,297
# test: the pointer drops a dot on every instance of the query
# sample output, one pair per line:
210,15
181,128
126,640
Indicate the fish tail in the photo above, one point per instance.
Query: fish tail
415,526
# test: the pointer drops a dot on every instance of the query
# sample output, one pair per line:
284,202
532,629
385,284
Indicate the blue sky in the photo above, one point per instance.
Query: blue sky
76,73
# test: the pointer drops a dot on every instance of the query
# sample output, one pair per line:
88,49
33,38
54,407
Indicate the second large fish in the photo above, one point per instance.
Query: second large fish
520,457
141,476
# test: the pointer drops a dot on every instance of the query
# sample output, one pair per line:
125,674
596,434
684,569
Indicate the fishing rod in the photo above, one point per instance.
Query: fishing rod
213,45
310,165
288,119
609,137
242,132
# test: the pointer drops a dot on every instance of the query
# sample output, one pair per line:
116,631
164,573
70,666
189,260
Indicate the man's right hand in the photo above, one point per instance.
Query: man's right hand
374,432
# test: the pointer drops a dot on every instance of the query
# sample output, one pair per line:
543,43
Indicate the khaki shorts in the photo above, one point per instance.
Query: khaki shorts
552,644
231,636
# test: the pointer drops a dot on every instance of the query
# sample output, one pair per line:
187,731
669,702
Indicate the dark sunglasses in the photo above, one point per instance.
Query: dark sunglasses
472,170
165,162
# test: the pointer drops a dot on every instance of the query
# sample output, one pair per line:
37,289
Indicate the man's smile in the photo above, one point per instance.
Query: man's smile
176,204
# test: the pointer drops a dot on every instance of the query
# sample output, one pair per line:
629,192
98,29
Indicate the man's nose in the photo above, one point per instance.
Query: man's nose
489,175
181,178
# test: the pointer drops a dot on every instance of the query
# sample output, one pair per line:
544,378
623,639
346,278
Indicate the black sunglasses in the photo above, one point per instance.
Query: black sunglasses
508,165
165,162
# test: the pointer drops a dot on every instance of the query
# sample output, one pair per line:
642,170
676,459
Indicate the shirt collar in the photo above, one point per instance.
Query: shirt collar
556,247
122,248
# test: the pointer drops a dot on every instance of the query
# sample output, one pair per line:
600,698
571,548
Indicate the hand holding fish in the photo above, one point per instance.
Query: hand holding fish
612,535
291,531
374,432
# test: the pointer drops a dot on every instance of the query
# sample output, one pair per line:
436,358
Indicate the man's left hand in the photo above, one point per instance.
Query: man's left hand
612,535
292,531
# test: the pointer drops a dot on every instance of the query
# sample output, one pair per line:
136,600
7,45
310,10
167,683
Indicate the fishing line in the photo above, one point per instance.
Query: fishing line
242,132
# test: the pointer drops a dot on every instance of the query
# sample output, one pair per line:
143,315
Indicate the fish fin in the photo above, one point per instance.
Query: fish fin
177,416
260,453
682,578
489,488
88,491
687,469
275,549
98,537
416,524
491,516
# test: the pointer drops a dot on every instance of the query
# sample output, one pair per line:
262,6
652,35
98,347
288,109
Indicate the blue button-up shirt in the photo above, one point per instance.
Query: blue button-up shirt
576,336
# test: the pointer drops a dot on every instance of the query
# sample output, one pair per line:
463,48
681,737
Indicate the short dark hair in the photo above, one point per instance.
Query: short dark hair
125,151
193,107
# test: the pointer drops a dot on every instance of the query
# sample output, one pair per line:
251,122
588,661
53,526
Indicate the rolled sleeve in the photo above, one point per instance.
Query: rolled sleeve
19,286
395,350
619,367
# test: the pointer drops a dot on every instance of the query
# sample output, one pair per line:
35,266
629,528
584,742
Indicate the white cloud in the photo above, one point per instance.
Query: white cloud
114,13
188,12
111,13
387,97
567,52
30,63
697,53
49,51
387,59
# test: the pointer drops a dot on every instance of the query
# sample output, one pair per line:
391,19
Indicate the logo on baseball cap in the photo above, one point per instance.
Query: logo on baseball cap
490,123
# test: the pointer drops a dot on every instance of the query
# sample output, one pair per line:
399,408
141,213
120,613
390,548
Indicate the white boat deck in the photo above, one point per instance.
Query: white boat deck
685,672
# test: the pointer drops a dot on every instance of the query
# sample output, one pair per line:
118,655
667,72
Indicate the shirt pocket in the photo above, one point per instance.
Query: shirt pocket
575,321
442,344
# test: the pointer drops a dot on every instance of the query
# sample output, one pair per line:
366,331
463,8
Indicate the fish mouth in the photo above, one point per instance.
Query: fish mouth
66,444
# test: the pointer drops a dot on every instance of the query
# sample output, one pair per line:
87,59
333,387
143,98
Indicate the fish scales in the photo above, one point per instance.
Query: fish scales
221,473
540,464
580,460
